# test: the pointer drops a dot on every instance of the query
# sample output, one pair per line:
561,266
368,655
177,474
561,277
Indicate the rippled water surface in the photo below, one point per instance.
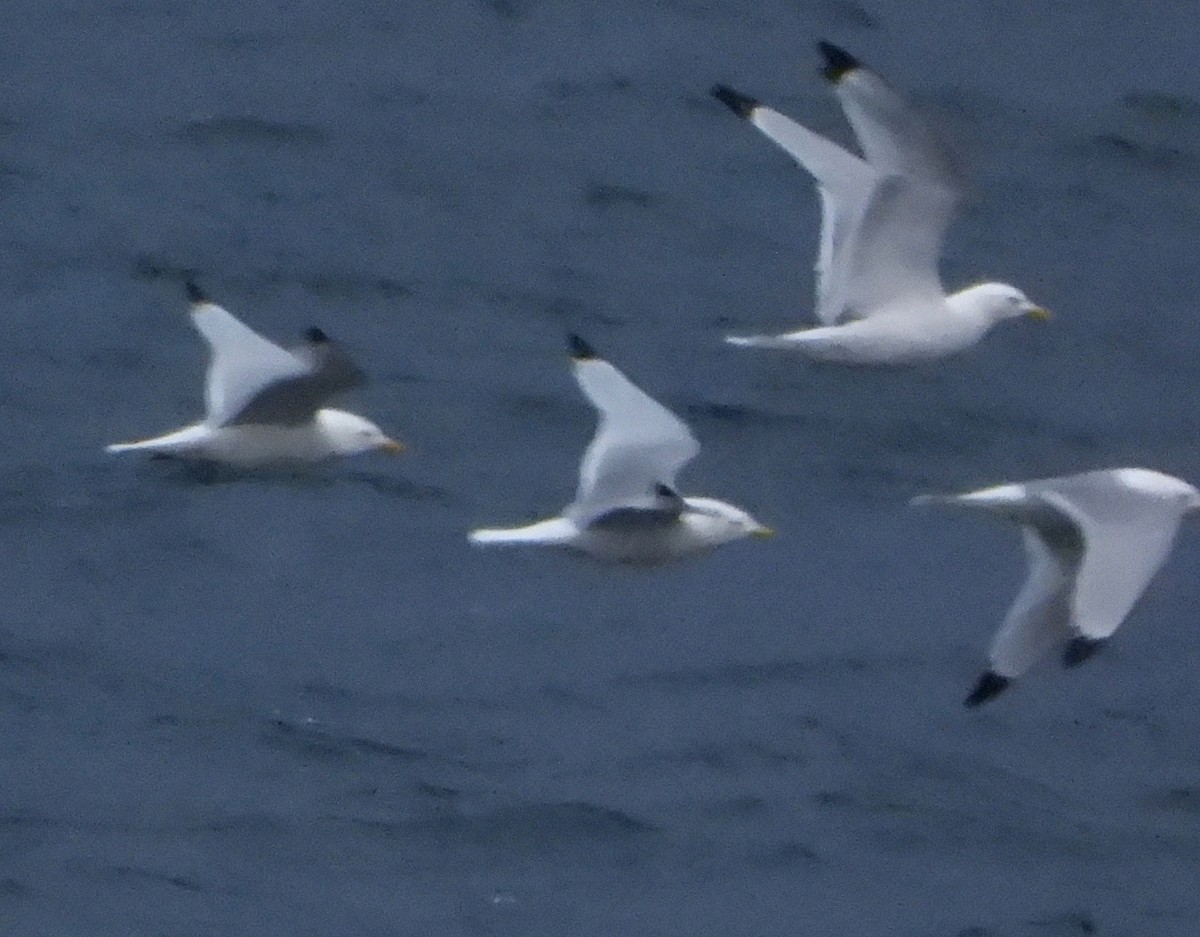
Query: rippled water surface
301,705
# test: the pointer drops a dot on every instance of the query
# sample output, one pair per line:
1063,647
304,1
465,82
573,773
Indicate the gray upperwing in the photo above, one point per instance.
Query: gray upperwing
661,509
295,399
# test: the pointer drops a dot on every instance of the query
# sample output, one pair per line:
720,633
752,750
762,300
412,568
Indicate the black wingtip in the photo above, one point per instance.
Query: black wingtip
990,685
315,336
739,103
580,350
1079,649
837,61
194,293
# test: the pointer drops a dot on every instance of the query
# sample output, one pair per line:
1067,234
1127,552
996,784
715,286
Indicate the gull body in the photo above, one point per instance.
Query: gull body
1093,541
626,509
328,433
264,401
880,298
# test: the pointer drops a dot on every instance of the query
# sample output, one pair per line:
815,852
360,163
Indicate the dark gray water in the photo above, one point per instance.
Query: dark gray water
303,706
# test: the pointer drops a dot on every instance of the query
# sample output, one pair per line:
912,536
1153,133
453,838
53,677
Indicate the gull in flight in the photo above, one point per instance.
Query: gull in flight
627,509
880,299
264,402
1093,541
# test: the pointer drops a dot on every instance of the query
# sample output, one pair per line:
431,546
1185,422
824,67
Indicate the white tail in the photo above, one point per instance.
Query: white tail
557,530
180,441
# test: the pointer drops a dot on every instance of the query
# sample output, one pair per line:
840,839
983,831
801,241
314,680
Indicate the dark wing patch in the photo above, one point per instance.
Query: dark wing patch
837,61
741,104
294,400
1080,649
580,349
989,686
662,511
194,293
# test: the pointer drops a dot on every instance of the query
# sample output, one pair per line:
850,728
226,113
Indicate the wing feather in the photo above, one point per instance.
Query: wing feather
1039,618
844,182
638,449
1128,536
252,380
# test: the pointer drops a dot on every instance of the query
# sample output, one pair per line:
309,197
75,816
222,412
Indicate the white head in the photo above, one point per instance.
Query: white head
719,522
350,434
994,302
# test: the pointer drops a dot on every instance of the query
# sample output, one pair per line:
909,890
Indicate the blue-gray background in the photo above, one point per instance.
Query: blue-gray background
304,706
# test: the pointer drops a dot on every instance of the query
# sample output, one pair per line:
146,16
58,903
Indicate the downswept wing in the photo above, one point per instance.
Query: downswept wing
1127,537
253,380
1039,619
638,449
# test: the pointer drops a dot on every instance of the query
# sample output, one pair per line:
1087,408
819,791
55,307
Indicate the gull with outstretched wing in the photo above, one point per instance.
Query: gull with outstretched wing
1094,541
626,508
266,403
884,215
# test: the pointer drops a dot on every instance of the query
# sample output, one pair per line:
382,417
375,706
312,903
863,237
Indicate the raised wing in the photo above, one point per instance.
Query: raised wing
895,138
889,261
1127,535
329,371
883,217
844,182
638,449
253,380
891,255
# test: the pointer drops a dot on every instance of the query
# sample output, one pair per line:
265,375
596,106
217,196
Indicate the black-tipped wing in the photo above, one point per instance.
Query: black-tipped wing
253,380
580,349
895,137
845,183
988,687
837,61
639,447
741,104
292,400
